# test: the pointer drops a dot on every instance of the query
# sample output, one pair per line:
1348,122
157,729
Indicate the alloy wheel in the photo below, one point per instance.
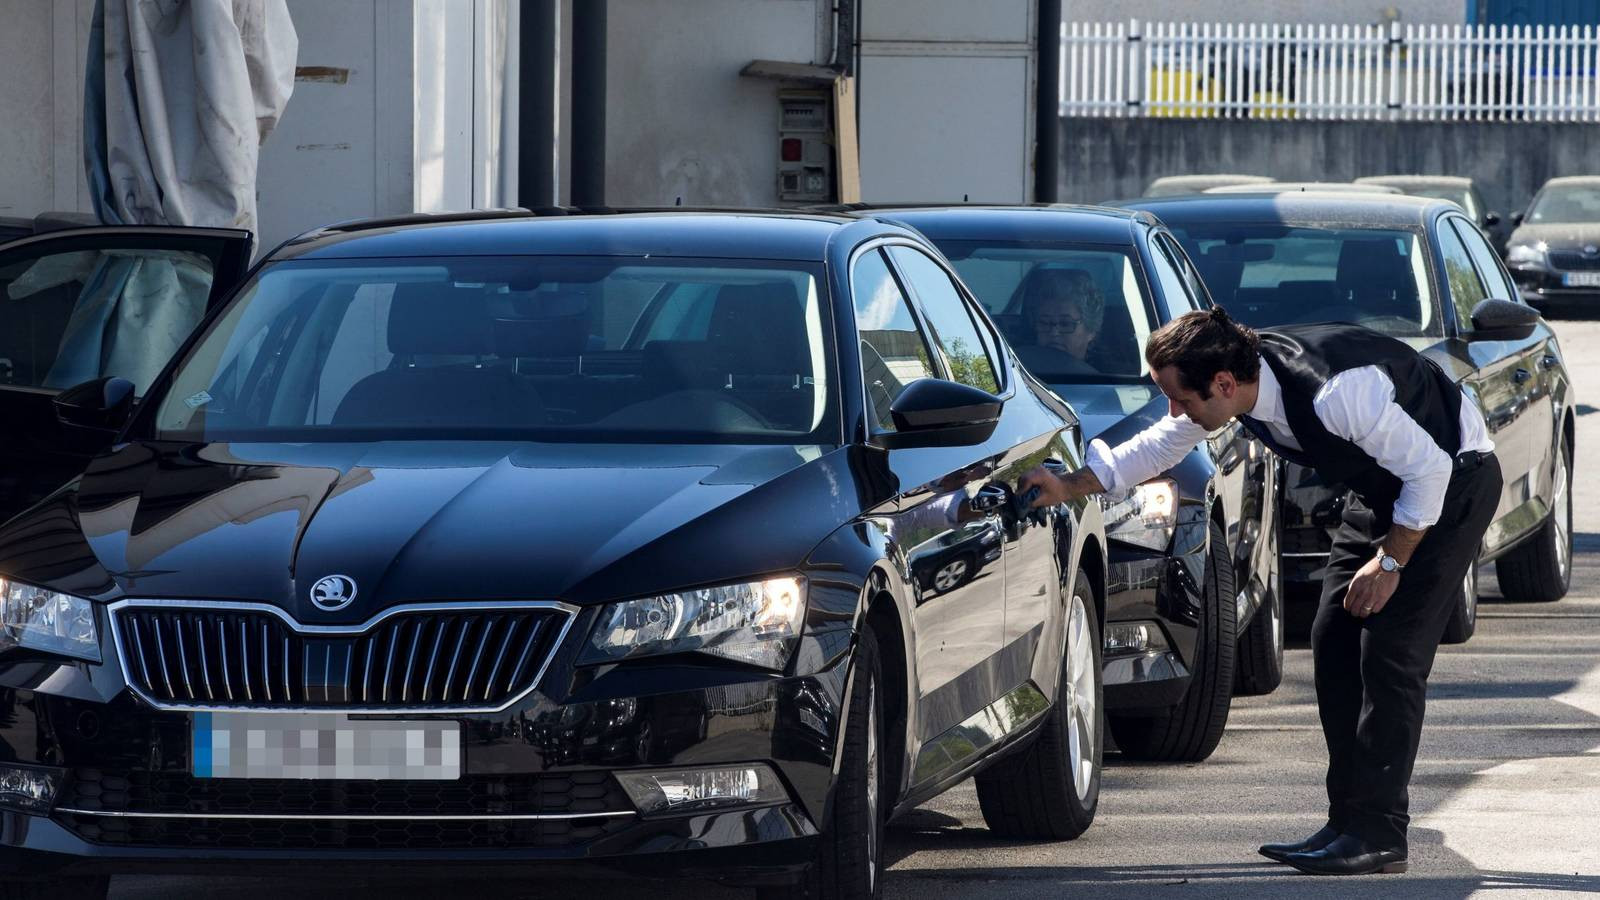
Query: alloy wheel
951,575
1469,589
1082,713
1562,516
872,789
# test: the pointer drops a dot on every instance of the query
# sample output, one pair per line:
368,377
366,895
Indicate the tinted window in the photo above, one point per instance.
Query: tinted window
1494,278
893,353
1172,260
1460,277
513,348
1072,313
1268,275
965,353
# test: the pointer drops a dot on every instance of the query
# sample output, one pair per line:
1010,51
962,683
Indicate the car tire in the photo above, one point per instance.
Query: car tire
1464,609
1190,731
849,860
91,888
1050,790
1540,569
1260,651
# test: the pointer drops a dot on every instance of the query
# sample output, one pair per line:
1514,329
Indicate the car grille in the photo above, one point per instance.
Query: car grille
457,659
1575,262
156,810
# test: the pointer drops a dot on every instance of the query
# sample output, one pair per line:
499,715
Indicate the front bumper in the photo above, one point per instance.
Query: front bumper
536,787
1545,289
1164,591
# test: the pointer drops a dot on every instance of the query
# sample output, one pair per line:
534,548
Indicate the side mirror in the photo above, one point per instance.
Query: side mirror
1516,218
1502,320
932,412
1491,219
104,404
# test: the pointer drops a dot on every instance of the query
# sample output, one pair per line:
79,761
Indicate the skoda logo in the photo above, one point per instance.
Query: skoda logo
333,592
1591,250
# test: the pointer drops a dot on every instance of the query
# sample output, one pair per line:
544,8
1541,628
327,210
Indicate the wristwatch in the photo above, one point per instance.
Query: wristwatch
1389,563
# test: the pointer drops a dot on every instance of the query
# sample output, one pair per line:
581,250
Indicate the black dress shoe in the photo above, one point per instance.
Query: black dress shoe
1322,838
1348,855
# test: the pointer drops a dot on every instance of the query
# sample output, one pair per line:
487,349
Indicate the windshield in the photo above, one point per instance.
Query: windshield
543,348
1567,203
1072,313
1267,275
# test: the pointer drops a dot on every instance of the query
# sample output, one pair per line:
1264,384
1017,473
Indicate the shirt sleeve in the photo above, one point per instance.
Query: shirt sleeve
1358,405
1145,455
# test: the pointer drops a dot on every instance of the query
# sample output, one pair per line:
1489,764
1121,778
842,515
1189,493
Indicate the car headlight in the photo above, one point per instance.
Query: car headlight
757,622
38,619
1527,254
1146,516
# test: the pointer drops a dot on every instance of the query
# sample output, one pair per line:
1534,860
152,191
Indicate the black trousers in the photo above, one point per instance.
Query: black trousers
1372,673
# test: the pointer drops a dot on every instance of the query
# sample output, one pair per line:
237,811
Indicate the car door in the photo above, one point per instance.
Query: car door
946,531
87,303
1498,377
1536,375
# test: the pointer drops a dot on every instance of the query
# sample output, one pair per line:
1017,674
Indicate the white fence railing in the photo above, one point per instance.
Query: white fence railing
1273,71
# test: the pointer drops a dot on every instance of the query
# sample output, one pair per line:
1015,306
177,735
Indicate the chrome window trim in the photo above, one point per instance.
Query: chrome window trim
343,817
570,611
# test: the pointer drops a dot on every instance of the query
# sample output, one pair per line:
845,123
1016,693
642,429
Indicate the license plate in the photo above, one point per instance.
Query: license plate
324,745
1581,279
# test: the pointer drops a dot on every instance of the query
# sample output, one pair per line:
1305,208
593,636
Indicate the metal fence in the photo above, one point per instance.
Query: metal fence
1285,71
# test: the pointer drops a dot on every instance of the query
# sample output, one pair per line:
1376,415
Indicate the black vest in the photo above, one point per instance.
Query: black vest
1304,357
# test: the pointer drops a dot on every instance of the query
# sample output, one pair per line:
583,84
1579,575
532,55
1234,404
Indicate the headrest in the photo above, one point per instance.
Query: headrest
439,319
1371,261
543,324
750,311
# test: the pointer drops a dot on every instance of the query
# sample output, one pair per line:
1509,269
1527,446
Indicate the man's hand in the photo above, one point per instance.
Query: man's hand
1370,590
1054,489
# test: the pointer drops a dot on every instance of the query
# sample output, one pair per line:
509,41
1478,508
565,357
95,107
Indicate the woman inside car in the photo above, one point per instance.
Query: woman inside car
1063,310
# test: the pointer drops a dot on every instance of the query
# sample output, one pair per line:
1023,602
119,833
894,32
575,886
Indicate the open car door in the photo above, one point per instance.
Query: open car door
88,303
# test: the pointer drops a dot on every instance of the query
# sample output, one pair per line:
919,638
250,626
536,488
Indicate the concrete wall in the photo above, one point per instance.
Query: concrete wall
1359,12
1106,159
680,120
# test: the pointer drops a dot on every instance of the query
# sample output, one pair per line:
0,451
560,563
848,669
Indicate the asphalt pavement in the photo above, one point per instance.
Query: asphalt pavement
1505,800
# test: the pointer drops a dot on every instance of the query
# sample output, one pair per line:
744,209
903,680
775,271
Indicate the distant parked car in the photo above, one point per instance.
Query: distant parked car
1193,604
1173,185
1458,190
1555,252
1319,187
1416,269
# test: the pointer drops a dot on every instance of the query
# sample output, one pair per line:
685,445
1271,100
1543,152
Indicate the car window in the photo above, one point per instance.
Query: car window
966,355
1494,278
1461,279
1072,313
1566,203
1173,288
512,348
67,318
1271,274
1193,289
893,351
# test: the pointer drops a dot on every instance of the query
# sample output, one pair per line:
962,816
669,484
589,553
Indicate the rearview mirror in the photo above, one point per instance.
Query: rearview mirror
932,412
104,404
1491,219
1502,320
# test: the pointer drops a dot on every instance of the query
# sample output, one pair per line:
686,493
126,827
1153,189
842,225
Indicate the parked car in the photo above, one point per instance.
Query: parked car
583,539
1458,190
1194,603
1554,253
1320,187
1172,185
1416,269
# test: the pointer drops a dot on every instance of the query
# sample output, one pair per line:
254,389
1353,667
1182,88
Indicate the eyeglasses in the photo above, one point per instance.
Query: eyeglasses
1069,326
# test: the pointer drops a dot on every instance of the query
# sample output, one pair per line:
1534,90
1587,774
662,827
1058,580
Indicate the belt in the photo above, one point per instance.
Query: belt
1468,459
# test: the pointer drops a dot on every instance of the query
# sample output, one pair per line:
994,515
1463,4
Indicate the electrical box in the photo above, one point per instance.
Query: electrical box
805,146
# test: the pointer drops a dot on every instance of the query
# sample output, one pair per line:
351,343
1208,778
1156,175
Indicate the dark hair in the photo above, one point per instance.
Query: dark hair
1201,344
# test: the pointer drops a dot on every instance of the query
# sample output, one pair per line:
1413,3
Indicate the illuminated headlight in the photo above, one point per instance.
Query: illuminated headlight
757,622
45,620
690,790
1528,254
1146,516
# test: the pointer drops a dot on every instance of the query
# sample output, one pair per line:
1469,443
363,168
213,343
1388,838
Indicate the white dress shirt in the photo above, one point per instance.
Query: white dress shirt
1356,404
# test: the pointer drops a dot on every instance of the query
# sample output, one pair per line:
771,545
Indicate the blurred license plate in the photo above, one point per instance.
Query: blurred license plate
1581,279
323,745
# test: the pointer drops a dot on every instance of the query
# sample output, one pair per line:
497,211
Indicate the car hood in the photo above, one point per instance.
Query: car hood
412,522
1113,412
1559,236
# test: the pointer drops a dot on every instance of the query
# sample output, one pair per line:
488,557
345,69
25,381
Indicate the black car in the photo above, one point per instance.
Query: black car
1458,189
1194,602
568,541
1554,254
1416,269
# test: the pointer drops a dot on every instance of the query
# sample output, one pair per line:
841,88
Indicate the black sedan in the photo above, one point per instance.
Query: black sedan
1554,254
1416,269
1194,600
563,542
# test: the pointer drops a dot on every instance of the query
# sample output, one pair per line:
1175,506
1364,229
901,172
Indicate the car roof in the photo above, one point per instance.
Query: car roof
1089,224
1415,181
739,234
1309,208
1589,180
1284,187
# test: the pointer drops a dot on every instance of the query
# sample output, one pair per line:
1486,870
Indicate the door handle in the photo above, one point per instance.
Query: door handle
1054,465
991,496
1521,375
